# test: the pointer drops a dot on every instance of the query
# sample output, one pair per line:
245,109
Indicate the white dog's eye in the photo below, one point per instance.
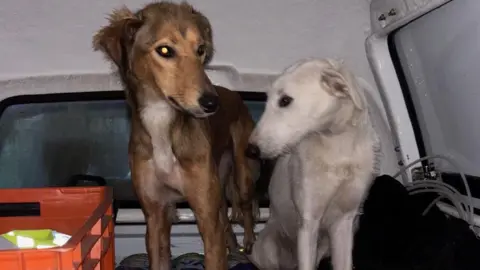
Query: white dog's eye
284,101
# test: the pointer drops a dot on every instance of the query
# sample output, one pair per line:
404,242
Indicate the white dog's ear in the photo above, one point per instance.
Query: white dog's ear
342,85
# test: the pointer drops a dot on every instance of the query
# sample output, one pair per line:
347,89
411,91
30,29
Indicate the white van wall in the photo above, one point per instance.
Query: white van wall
54,36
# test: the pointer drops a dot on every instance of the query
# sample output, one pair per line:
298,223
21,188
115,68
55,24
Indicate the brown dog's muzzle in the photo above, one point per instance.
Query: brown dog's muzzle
207,104
208,100
201,99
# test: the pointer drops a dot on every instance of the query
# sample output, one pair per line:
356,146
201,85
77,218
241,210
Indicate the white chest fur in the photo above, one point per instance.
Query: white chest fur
156,118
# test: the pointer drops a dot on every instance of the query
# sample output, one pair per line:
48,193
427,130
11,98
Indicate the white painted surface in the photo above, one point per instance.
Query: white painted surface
386,12
54,36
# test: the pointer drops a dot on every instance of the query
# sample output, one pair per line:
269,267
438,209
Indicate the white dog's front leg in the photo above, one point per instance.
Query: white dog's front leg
341,235
311,197
307,244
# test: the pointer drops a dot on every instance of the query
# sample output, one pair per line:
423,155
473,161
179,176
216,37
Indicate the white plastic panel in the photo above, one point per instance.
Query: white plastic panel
383,12
185,238
440,55
381,63
386,12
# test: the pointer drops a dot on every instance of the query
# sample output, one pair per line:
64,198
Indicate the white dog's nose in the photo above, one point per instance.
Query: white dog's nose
253,151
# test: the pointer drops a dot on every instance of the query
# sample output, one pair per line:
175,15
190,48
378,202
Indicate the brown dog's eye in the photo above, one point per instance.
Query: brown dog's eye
284,101
165,51
201,50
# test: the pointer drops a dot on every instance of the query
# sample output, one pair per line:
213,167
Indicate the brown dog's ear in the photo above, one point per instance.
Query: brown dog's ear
341,83
205,29
119,33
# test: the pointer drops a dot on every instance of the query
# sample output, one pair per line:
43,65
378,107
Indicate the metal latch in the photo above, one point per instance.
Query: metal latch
426,172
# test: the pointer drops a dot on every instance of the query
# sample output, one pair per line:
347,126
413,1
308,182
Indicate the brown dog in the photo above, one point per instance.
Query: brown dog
187,136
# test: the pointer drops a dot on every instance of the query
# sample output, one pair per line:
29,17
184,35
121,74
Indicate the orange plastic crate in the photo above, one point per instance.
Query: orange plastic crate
84,213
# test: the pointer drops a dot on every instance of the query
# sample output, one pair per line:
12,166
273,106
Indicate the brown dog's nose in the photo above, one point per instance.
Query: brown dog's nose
208,102
253,151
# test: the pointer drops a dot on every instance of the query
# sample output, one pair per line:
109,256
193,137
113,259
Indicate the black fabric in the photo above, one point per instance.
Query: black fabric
393,234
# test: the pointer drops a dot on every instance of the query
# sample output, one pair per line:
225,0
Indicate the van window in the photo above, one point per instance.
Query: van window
45,140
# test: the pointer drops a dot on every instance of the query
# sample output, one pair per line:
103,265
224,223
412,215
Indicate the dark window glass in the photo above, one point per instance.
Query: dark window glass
45,140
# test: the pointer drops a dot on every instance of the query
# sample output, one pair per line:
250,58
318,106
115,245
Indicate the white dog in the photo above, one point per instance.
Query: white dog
316,122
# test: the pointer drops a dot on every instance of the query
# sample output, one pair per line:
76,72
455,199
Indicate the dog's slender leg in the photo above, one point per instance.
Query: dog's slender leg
307,243
156,211
244,181
311,206
202,191
341,235
232,243
246,205
225,170
158,227
312,201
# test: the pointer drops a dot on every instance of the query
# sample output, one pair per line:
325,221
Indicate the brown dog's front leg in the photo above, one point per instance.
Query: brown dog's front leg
158,239
202,190
156,211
